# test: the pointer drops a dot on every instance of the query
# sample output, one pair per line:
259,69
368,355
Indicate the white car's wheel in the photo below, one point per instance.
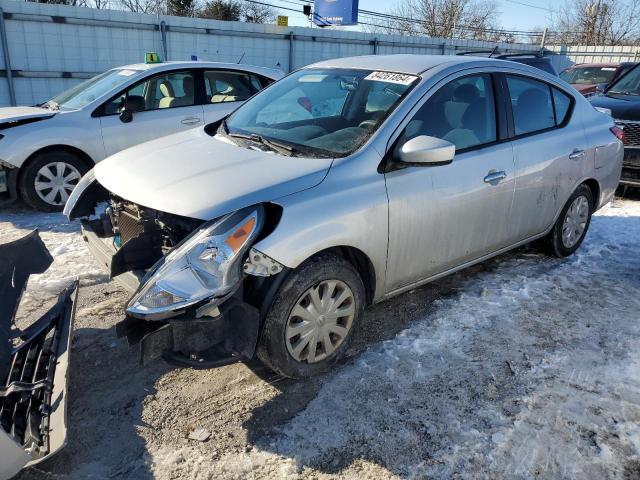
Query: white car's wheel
49,178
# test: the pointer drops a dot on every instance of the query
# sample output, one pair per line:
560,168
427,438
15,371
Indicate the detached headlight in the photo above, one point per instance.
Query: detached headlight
206,264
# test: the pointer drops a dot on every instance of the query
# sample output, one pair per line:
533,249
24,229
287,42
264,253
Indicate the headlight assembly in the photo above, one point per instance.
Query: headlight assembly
206,264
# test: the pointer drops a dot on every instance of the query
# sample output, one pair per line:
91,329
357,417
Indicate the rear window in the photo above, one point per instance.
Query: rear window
536,105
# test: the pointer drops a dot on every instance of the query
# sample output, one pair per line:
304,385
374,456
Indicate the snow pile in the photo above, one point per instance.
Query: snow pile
71,258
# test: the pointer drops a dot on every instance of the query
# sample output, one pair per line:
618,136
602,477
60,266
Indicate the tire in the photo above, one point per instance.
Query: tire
320,273
60,165
556,244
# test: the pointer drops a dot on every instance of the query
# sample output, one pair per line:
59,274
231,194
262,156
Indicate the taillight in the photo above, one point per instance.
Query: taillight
618,132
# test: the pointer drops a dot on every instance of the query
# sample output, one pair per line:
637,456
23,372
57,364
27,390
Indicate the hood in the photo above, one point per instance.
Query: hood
584,87
623,107
17,114
198,176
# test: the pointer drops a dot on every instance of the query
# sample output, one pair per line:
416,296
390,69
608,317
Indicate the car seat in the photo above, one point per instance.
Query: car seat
166,89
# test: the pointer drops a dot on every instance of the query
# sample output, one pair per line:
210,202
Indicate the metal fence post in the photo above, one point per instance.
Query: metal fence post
163,38
7,59
291,40
375,46
543,42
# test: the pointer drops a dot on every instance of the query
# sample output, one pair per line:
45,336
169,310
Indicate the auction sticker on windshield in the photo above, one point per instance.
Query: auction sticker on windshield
391,77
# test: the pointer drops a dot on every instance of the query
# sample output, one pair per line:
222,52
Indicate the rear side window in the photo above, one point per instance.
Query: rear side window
561,102
230,86
531,104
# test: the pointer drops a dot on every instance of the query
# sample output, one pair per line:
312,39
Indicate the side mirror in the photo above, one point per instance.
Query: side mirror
126,115
424,150
600,88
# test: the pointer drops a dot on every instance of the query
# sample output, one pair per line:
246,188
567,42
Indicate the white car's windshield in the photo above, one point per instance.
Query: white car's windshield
87,91
319,112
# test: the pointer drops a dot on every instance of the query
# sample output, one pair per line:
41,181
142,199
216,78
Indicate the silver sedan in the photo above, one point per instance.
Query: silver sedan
343,184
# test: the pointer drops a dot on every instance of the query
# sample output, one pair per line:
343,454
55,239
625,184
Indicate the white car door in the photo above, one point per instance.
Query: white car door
160,105
443,216
226,90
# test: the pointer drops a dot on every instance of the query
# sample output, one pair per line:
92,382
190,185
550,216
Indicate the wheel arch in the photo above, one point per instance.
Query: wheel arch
594,186
82,155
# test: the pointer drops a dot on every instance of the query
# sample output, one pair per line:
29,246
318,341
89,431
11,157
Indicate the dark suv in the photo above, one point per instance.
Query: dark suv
539,59
622,99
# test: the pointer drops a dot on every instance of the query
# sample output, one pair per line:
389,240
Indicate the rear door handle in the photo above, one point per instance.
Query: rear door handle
494,178
190,120
576,154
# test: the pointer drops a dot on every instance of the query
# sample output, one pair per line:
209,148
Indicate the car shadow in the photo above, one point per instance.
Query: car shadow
23,217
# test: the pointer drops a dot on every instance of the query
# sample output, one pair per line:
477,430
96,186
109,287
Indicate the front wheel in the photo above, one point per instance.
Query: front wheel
309,326
572,224
49,178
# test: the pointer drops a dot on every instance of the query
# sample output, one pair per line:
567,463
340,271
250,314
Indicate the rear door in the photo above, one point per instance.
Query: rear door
226,90
443,216
550,152
165,103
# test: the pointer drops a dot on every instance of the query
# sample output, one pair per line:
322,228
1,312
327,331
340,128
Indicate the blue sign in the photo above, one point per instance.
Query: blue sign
335,12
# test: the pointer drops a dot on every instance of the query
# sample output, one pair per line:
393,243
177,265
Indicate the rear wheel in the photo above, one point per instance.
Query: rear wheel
572,224
49,178
310,324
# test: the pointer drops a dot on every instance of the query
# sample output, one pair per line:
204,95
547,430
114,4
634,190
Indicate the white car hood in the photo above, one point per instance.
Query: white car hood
14,114
195,175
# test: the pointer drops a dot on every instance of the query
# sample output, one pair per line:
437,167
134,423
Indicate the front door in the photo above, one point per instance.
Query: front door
443,216
164,104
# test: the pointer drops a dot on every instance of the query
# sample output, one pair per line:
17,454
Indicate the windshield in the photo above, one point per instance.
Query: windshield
588,75
628,84
319,112
86,92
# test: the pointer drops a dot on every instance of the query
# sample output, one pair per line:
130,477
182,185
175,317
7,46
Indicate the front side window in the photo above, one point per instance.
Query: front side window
320,112
462,112
94,88
229,86
166,90
531,104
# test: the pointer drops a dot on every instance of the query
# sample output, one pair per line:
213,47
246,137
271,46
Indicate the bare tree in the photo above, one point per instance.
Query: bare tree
181,8
144,6
598,22
228,10
442,18
257,13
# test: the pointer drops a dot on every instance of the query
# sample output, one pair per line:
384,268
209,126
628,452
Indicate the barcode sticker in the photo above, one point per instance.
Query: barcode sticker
391,77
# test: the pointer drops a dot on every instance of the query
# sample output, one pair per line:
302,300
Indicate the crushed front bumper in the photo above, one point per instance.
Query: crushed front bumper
33,362
228,335
631,167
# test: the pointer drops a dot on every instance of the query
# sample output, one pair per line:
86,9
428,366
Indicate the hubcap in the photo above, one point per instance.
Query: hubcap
320,321
575,221
55,181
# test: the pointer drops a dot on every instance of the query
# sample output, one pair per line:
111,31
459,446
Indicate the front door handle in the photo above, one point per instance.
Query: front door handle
190,120
494,177
576,154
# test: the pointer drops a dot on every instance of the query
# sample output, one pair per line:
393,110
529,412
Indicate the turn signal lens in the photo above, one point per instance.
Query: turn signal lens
618,132
240,234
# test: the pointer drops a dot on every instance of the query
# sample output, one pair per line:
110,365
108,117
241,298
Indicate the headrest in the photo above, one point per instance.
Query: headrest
166,89
187,86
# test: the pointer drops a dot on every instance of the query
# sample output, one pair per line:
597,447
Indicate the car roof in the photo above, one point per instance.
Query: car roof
403,63
269,72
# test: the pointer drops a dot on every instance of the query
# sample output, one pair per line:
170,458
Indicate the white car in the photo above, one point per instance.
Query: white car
45,149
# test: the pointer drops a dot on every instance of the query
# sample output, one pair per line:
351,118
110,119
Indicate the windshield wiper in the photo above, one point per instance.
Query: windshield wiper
50,105
275,146
623,92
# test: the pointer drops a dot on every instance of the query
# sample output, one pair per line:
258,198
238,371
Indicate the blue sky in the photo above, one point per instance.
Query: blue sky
514,14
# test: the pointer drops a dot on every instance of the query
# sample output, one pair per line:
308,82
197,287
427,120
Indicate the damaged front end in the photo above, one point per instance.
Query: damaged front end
33,362
189,304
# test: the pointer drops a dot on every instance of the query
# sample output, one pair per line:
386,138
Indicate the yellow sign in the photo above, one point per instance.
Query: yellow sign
283,21
151,57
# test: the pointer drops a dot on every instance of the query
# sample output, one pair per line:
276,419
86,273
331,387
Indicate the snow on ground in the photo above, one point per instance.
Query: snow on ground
71,258
529,367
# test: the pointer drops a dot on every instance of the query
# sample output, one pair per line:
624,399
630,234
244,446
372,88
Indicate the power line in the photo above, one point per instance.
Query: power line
529,5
